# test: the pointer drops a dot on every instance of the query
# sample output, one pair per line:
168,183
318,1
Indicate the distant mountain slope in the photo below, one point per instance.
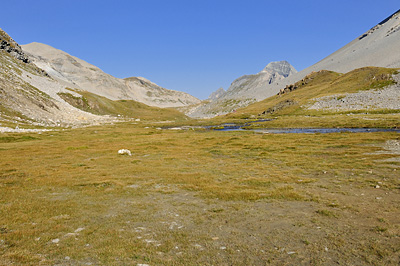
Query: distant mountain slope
243,90
378,47
245,86
76,73
367,89
216,94
30,96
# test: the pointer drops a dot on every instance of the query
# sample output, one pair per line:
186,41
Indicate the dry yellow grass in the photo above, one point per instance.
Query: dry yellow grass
196,197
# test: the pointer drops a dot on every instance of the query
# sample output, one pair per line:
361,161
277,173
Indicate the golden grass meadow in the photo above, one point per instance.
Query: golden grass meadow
198,197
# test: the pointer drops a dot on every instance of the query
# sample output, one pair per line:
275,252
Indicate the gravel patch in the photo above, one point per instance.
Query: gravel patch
22,130
387,98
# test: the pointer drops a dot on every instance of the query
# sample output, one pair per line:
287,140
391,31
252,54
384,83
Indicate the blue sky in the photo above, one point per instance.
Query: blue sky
193,46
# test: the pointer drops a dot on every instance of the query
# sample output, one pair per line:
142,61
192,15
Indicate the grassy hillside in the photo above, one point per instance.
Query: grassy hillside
319,84
99,105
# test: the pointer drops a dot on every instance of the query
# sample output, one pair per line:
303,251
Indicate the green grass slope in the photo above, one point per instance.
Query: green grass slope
100,105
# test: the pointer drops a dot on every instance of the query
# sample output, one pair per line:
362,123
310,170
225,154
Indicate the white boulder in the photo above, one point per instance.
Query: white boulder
124,152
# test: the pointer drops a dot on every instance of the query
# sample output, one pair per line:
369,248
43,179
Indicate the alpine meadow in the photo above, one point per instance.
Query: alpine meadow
284,167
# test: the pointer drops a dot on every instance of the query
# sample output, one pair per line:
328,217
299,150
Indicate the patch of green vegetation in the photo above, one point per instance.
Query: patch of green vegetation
99,105
16,138
326,213
78,148
380,229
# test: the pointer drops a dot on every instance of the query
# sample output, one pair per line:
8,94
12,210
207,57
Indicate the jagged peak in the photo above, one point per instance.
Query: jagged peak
283,68
216,94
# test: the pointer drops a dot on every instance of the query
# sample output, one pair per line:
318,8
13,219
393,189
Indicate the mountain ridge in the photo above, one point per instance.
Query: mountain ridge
76,73
240,92
378,47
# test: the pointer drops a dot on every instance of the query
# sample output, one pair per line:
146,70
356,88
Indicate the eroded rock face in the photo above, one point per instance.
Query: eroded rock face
10,46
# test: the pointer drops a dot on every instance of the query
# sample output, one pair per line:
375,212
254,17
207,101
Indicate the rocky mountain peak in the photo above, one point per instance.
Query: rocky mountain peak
10,46
283,68
216,94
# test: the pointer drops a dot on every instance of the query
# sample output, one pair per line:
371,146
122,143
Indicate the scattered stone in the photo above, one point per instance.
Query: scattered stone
386,98
79,229
55,241
215,238
198,246
291,252
377,186
125,152
133,186
61,217
279,106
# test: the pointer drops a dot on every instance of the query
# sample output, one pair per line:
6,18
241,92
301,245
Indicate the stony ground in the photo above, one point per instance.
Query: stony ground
386,98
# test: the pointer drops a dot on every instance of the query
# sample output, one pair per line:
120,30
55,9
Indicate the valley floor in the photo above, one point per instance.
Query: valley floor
197,197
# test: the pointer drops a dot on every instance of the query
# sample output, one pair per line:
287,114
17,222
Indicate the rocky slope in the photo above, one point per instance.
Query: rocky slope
77,74
387,98
56,96
21,100
7,44
244,90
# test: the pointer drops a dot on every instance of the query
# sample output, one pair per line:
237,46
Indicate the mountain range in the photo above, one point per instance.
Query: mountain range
75,73
379,47
42,85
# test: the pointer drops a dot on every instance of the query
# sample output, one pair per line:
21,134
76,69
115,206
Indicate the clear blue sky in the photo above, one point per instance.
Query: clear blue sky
192,46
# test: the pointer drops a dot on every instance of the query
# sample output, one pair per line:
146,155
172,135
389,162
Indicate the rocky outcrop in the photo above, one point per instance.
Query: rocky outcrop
279,106
299,84
10,46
